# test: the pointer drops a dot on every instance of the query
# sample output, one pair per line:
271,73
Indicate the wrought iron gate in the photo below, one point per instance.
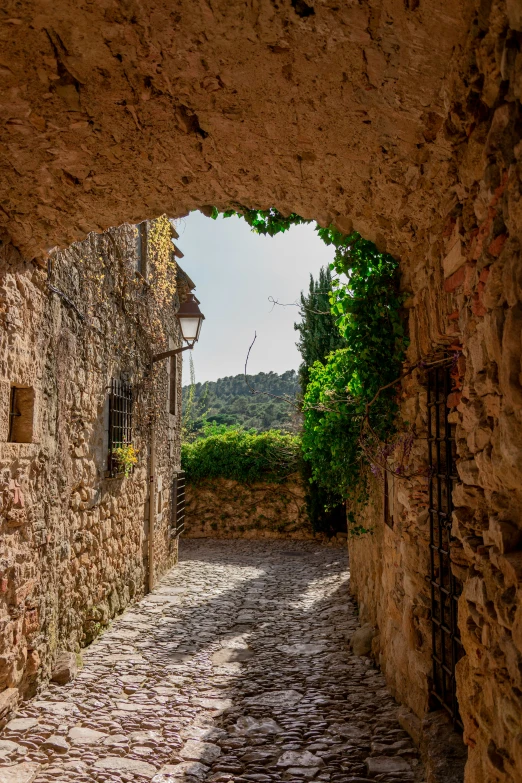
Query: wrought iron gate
177,507
445,587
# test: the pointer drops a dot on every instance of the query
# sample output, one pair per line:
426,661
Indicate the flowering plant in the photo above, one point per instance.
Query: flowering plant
126,456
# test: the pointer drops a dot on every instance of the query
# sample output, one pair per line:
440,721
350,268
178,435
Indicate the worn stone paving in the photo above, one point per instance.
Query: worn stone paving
236,668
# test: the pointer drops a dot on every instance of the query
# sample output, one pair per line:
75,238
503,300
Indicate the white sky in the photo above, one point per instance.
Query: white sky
236,271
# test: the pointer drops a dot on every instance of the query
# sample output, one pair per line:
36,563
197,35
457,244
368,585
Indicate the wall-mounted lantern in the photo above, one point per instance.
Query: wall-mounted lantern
190,319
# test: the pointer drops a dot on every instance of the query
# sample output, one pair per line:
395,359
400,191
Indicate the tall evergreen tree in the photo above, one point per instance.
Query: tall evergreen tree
318,333
319,336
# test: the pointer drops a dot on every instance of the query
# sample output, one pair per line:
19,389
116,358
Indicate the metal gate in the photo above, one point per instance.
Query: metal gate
177,507
445,587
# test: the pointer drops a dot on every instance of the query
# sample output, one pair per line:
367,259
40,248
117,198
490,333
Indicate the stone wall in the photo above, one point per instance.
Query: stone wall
390,568
465,295
223,508
73,539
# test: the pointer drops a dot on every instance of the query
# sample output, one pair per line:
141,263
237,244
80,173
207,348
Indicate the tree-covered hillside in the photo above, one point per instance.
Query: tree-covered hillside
230,401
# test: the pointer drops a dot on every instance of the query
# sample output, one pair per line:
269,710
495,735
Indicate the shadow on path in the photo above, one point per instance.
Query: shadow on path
236,668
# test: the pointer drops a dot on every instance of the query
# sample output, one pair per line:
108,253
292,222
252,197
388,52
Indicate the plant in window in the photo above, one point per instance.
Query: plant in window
125,457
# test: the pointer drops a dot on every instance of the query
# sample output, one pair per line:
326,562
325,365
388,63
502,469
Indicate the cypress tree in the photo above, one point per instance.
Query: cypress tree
318,333
319,336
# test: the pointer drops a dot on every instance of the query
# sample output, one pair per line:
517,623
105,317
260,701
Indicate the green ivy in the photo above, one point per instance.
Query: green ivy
355,530
246,457
268,221
347,412
366,304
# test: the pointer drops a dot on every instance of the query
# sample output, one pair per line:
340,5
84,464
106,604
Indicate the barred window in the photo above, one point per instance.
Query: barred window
120,421
446,587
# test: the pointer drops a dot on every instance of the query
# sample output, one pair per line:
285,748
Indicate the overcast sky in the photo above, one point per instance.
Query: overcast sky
236,271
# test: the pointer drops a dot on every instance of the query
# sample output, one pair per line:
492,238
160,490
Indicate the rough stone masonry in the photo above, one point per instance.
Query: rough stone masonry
399,118
74,528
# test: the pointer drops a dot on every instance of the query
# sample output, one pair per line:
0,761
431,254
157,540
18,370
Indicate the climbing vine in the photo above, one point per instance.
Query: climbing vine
162,274
349,403
347,410
268,221
120,309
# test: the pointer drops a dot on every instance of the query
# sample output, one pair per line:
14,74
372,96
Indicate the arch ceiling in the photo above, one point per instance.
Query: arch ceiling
115,111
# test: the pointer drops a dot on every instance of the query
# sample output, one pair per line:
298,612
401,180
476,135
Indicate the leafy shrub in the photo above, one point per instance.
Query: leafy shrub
243,456
347,410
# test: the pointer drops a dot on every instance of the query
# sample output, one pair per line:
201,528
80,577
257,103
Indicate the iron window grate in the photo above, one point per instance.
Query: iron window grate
120,420
445,587
177,508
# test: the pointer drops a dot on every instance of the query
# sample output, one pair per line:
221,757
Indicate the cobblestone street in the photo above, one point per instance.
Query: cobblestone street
236,668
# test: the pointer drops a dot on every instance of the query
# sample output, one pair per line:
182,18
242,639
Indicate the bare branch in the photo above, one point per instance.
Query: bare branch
252,390
296,304
286,399
410,369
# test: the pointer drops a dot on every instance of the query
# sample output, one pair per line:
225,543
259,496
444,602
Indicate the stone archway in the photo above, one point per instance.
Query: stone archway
115,112
400,118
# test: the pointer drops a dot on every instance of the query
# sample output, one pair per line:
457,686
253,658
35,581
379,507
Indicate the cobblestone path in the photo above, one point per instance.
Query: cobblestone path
236,668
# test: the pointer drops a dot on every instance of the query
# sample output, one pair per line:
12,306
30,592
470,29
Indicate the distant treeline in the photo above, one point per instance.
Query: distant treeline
230,401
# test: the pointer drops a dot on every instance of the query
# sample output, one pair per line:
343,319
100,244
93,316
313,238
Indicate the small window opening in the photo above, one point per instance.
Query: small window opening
141,249
21,415
173,385
120,423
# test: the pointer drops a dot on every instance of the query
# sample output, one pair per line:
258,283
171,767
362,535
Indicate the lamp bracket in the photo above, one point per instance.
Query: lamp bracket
165,355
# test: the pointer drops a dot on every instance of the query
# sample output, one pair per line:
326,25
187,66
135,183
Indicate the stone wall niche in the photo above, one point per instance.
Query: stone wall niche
21,414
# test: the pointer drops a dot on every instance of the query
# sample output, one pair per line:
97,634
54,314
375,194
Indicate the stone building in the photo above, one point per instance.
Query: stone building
76,392
401,119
